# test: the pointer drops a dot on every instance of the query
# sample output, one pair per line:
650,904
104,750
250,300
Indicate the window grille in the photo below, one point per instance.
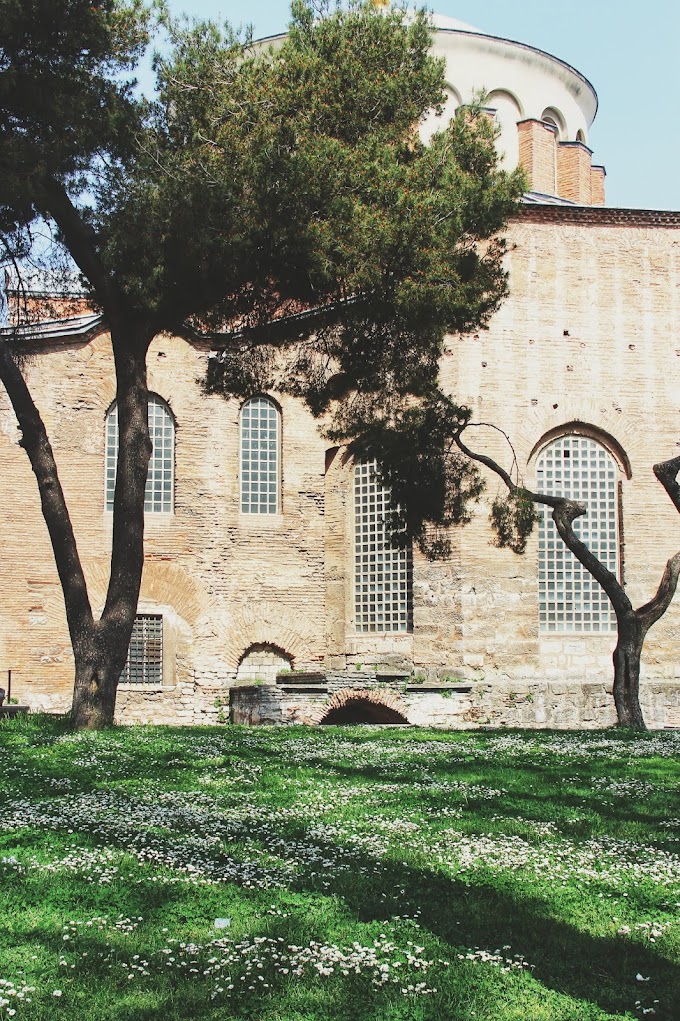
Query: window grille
144,664
569,597
383,573
158,495
260,457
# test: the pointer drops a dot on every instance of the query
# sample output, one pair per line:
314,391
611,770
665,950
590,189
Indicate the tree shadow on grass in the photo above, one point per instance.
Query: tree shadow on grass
599,970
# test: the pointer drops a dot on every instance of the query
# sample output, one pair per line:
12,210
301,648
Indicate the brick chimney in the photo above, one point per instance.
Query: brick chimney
537,155
574,172
598,175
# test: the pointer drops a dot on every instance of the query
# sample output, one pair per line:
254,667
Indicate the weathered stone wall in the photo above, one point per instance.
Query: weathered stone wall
555,705
588,335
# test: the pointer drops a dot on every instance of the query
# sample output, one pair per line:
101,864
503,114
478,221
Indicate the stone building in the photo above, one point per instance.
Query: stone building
270,590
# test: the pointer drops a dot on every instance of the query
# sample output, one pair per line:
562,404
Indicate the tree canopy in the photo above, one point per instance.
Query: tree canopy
276,199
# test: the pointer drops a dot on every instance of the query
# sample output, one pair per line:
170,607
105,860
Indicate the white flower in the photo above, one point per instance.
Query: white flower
641,978
57,992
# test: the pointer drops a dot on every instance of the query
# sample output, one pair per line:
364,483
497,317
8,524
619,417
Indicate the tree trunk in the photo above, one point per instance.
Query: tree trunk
632,624
626,658
100,655
94,691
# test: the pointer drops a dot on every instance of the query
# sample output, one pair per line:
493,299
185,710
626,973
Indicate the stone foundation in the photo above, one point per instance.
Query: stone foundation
554,705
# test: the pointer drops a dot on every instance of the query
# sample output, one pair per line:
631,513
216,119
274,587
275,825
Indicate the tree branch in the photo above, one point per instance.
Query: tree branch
667,472
564,514
36,444
80,242
657,606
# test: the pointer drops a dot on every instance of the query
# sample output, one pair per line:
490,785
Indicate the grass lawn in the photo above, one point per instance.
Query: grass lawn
337,874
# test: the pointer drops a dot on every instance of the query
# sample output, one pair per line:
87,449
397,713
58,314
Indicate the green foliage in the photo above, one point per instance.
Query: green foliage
513,518
432,484
65,102
281,199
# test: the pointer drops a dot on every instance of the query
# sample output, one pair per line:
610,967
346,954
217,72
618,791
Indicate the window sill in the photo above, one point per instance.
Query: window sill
260,520
127,686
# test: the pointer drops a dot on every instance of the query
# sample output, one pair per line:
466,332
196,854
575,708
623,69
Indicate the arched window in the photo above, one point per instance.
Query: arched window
159,496
383,572
555,119
260,458
569,598
508,114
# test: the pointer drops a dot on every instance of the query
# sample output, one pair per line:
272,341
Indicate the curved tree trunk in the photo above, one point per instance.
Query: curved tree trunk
632,624
626,657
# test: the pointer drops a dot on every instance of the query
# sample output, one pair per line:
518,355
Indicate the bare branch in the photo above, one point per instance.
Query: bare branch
564,514
657,606
667,472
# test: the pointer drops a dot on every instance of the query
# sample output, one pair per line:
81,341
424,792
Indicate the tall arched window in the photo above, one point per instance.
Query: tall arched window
570,599
260,456
159,495
383,572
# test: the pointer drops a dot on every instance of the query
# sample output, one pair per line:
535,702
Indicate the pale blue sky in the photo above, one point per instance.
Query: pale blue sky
629,51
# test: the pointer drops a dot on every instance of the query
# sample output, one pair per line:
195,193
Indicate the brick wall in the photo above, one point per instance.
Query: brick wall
587,335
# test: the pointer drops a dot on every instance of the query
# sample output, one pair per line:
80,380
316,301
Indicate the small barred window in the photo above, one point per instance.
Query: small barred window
260,461
144,663
570,599
383,572
159,495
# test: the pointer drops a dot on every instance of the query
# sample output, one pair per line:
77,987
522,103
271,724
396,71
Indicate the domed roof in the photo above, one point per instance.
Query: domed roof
443,21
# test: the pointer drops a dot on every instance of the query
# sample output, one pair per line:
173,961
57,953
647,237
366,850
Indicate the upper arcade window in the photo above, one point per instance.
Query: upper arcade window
569,598
260,459
159,493
433,121
555,119
383,572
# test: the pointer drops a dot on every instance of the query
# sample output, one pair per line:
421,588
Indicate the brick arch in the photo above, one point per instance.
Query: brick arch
385,698
604,419
264,623
163,583
580,428
262,661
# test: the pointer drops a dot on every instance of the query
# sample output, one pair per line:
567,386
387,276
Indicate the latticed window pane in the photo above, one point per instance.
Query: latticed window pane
259,457
569,597
160,478
145,656
383,572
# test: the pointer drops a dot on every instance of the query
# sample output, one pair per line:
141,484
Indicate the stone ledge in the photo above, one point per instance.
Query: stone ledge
428,688
13,710
309,689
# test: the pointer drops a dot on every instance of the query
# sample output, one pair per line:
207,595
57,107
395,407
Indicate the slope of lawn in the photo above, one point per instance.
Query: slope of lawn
329,874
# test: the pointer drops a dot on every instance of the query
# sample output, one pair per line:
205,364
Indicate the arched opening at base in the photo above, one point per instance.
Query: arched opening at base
361,710
262,662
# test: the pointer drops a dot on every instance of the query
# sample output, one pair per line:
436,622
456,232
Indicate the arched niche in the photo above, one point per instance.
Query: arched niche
363,711
262,662
433,121
552,116
508,112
